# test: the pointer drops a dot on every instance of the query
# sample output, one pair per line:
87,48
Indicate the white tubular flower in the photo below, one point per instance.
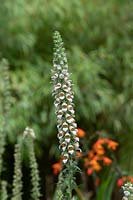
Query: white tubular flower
76,139
64,108
57,102
71,149
73,130
58,86
58,67
65,127
60,135
69,98
125,198
67,137
69,118
128,191
61,76
61,95
65,158
66,88
63,146
59,114
76,145
70,108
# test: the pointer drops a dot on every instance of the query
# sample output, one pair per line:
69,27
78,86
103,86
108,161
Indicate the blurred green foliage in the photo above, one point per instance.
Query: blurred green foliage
98,39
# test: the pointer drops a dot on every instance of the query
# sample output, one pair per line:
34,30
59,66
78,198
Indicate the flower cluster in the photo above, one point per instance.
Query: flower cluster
67,127
121,181
97,155
128,191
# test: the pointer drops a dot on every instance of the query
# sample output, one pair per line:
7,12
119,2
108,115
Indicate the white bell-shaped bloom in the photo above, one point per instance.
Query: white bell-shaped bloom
64,107
65,126
63,146
65,158
70,149
67,137
69,118
61,95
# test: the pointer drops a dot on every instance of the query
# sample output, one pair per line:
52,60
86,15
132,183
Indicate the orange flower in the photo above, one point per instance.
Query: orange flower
99,149
125,178
97,182
91,154
93,162
56,168
120,182
89,171
95,165
86,162
97,154
81,133
131,179
100,141
112,145
107,161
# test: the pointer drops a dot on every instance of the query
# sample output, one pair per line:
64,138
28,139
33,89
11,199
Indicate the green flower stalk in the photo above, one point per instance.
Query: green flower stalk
6,89
128,191
17,178
2,144
35,179
66,124
4,195
4,106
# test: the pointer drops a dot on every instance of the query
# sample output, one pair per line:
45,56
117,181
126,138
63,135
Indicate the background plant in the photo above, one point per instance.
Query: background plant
4,194
17,177
35,179
4,107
